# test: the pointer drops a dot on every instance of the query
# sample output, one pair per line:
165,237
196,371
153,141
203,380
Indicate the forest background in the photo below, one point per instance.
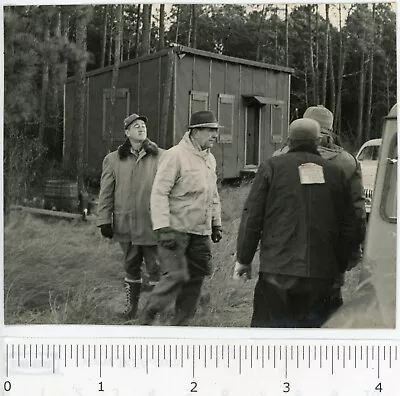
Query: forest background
343,55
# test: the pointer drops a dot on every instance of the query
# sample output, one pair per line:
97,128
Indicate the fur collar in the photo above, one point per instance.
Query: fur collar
125,149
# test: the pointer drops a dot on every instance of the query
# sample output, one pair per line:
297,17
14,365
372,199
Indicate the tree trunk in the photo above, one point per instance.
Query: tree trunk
361,96
189,39
137,45
260,25
161,41
104,38
194,26
326,56
115,73
311,50
331,75
178,12
342,56
111,34
146,18
83,14
370,80
305,80
276,35
287,35
45,76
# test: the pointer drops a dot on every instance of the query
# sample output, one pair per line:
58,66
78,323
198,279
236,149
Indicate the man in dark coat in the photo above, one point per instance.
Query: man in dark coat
300,208
124,206
352,169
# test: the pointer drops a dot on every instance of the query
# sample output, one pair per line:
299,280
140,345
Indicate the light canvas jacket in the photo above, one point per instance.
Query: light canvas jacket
185,195
124,199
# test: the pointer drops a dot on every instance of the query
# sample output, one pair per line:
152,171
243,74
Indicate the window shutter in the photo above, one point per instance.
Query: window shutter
225,118
122,100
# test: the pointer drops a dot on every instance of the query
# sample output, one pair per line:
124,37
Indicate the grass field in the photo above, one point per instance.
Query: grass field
63,272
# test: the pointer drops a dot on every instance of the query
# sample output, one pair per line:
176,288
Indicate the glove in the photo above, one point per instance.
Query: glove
216,234
107,231
166,238
241,271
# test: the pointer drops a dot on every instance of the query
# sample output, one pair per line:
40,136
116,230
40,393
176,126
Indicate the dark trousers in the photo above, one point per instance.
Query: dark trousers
302,303
133,261
182,274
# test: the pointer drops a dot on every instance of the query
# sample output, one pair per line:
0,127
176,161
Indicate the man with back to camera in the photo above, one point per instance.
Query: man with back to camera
299,207
185,211
352,169
124,209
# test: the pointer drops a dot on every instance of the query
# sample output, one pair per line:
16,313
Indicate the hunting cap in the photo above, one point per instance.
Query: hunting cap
133,117
304,129
322,115
203,119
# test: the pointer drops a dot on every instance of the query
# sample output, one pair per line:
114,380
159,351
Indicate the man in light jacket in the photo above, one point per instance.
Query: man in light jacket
124,209
299,207
185,211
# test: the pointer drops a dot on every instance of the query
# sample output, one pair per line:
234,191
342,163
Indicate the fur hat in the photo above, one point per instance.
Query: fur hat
322,115
133,117
304,129
203,119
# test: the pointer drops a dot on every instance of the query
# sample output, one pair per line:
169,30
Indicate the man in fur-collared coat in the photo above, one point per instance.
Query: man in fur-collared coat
124,206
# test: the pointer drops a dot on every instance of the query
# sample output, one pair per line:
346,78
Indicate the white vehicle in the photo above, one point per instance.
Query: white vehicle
368,156
373,305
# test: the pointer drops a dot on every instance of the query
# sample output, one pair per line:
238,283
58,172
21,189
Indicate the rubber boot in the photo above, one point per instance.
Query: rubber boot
133,289
186,302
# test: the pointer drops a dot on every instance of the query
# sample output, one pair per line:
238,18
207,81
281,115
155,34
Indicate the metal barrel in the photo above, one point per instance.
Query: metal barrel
61,195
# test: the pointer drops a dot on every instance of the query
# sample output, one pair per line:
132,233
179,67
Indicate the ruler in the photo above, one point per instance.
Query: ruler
201,367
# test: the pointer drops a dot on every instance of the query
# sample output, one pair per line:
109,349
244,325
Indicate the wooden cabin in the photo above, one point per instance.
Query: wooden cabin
250,99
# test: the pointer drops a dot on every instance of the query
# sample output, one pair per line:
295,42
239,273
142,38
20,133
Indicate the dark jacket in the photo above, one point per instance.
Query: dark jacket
124,199
306,230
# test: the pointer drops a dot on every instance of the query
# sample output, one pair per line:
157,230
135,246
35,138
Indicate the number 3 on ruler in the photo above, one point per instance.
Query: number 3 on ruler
286,387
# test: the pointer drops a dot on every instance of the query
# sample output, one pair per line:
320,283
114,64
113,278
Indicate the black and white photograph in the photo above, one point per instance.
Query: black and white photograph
200,165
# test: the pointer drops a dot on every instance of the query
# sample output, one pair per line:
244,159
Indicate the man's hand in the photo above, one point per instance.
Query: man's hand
107,231
166,238
241,271
216,234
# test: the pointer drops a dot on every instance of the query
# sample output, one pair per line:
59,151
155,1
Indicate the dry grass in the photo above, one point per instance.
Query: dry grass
61,272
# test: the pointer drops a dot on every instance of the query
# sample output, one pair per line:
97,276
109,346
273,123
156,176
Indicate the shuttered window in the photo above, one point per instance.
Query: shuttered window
225,117
122,101
198,102
276,122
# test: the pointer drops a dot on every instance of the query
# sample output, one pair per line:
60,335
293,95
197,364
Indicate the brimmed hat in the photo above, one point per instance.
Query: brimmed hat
304,129
203,119
133,117
322,115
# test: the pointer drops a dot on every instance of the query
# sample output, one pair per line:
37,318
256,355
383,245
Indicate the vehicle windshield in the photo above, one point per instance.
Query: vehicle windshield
369,153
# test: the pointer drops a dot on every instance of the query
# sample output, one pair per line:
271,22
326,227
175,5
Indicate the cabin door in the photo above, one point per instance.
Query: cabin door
252,136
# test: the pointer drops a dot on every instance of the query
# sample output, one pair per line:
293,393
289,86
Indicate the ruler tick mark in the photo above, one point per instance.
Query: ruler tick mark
379,368
262,356
30,355
251,356
42,356
366,357
112,355
274,356
12,350
315,352
373,353
280,352
135,357
65,355
6,360
24,350
309,356
390,356
198,352
205,356
228,355
344,356
286,364
123,355
297,356
129,352
181,355
234,352
141,352
187,352
147,359
355,356
240,359
19,358
269,353
395,353
100,361
193,361
176,352
257,352
88,355
320,356
77,355
54,368
216,356
152,351
158,355
222,352
59,351
326,352
118,352
291,352
332,360
170,355
164,352
384,352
